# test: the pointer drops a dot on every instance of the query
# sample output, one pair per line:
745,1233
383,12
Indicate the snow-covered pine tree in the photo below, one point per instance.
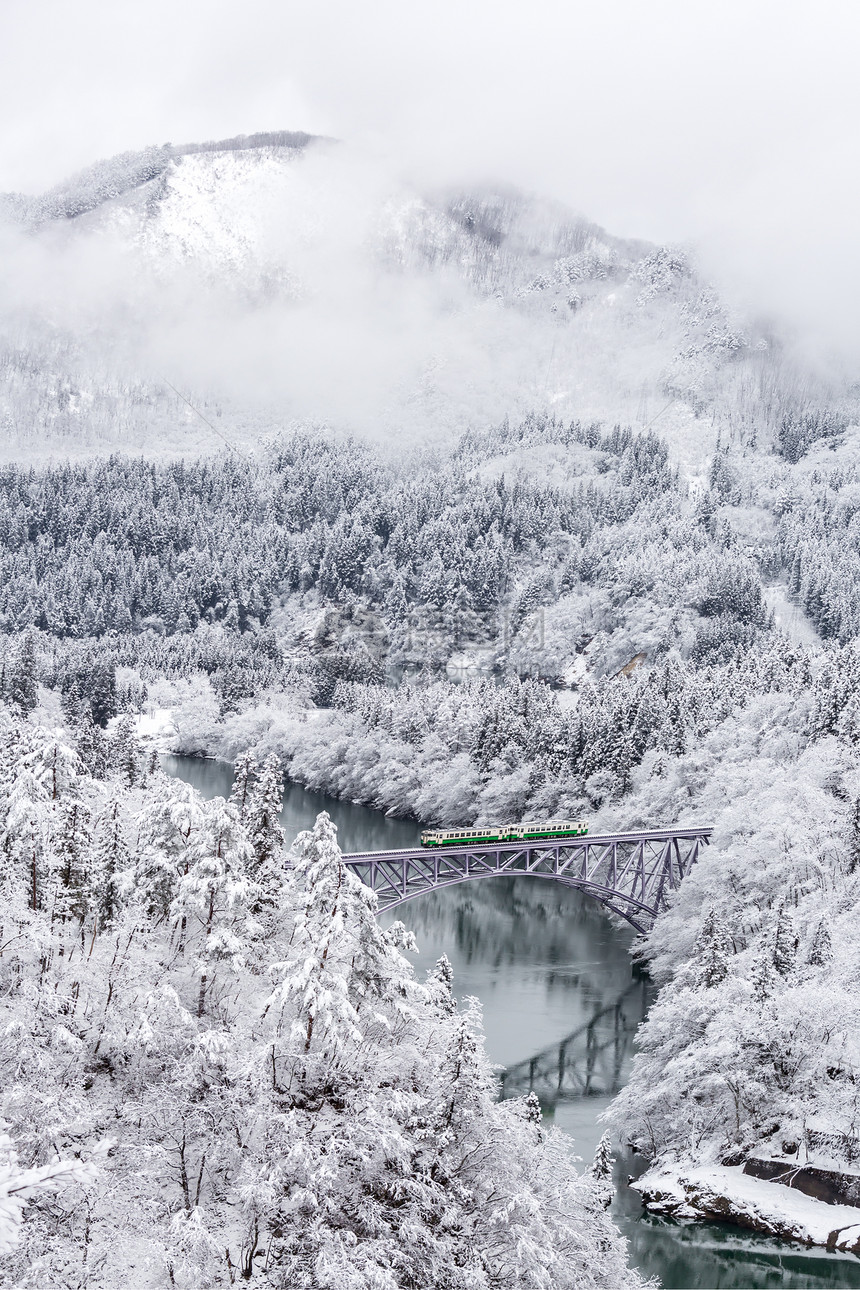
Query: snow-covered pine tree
109,869
211,911
53,760
821,951
712,948
762,974
439,982
72,859
533,1112
784,943
263,813
854,828
167,828
245,775
313,985
262,825
601,1170
125,751
92,746
21,681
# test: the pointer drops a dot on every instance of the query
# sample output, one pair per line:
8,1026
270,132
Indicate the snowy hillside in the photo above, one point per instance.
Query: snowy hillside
523,523
298,281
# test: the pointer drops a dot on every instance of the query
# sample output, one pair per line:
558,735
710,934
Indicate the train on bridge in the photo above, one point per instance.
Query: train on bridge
533,832
630,873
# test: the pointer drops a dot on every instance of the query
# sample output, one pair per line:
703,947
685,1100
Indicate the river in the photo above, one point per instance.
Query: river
557,986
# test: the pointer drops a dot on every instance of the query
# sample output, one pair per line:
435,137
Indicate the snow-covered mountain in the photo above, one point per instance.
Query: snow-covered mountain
673,634
279,278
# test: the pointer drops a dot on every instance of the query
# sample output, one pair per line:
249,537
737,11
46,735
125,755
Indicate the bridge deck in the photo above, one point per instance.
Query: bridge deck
584,839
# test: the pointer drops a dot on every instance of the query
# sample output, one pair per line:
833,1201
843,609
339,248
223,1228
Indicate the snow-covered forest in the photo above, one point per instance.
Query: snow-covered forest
230,1070
305,604
613,574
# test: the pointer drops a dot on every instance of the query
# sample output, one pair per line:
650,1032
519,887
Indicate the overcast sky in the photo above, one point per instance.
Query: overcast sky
733,124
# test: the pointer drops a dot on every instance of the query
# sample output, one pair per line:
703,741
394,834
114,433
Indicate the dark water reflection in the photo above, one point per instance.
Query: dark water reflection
542,959
561,1002
358,828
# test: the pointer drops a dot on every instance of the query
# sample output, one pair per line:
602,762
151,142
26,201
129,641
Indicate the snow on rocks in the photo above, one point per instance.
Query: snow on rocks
726,1192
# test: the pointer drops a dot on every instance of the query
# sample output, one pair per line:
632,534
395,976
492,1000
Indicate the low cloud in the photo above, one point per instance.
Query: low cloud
729,127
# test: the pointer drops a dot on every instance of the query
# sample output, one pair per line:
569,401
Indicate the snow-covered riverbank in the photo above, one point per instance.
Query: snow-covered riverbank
726,1192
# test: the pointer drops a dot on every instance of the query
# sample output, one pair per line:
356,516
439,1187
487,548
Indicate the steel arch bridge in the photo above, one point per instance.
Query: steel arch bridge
630,873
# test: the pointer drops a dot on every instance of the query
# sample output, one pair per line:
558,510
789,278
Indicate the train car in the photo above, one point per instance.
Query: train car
531,831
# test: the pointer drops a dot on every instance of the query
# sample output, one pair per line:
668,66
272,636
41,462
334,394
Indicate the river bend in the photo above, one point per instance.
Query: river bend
561,1002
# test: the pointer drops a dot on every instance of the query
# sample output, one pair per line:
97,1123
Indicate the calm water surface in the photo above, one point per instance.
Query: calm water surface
559,996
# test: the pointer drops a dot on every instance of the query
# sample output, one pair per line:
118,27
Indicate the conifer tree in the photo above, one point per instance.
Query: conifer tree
262,816
53,761
340,959
25,835
821,951
854,832
601,1170
125,752
72,860
21,685
110,865
92,747
211,910
167,829
784,943
762,975
712,948
245,776
439,981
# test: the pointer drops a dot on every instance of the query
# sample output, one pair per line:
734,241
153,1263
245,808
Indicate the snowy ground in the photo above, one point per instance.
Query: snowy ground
156,727
719,1191
789,617
577,671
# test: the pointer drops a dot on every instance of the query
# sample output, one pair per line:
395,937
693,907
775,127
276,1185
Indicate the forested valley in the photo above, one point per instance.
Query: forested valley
636,605
303,605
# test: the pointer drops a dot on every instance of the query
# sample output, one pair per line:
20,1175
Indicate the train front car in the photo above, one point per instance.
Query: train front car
464,837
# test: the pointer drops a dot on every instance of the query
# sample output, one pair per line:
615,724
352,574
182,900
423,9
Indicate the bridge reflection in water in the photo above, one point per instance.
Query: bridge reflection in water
589,1062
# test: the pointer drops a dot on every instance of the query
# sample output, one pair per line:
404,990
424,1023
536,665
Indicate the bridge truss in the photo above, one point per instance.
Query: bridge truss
630,873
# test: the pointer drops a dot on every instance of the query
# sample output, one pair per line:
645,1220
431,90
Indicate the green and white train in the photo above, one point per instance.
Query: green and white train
503,833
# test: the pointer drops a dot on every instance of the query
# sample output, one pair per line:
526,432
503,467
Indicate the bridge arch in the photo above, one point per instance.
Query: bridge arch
630,873
631,906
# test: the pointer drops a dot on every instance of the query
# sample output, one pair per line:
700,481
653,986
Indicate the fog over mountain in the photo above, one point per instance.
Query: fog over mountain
180,297
731,127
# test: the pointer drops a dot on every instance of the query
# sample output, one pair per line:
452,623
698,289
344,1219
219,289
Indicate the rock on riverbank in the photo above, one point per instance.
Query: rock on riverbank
726,1193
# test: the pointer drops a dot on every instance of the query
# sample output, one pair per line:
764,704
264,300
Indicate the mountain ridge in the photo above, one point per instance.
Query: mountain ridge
280,277
114,176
